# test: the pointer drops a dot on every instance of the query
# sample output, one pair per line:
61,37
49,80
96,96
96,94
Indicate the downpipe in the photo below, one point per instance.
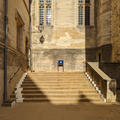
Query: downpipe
31,66
5,50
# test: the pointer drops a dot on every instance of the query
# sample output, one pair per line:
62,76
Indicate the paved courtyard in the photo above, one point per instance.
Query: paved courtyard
47,111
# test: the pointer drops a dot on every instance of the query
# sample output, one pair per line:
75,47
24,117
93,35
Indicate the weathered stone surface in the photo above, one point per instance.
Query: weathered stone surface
116,30
108,28
47,59
103,19
1,20
64,34
15,58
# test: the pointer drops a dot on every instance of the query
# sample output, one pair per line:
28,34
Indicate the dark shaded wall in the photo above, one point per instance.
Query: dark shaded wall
103,30
113,70
15,59
90,44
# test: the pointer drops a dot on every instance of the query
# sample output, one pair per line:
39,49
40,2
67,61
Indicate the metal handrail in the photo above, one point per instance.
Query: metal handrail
13,75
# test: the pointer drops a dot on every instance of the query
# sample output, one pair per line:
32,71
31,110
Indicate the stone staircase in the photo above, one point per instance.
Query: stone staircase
58,88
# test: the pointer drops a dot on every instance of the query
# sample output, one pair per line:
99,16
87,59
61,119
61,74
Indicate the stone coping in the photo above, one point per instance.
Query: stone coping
94,65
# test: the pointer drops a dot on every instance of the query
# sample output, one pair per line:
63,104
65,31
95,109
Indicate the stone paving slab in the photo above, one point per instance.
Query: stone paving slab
47,111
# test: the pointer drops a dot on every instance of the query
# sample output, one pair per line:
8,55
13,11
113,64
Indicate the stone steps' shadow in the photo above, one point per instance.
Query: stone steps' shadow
32,95
36,94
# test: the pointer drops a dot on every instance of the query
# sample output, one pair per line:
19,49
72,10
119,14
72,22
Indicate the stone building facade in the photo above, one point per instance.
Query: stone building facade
17,42
107,30
1,47
108,36
76,31
58,33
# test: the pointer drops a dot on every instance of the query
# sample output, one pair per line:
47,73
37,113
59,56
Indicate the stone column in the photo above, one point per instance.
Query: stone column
92,13
84,13
111,91
53,8
45,12
37,13
76,13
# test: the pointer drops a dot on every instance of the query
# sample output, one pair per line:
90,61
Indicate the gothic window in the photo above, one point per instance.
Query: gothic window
80,12
45,12
87,1
87,15
80,17
84,16
48,1
41,14
48,15
41,1
87,12
80,1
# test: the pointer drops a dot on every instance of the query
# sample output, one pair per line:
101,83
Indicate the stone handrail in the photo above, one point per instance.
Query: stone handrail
102,82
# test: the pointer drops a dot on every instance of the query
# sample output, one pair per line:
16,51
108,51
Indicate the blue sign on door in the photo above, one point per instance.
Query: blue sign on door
60,62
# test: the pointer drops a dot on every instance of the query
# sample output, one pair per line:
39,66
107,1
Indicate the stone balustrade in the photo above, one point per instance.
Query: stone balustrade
105,86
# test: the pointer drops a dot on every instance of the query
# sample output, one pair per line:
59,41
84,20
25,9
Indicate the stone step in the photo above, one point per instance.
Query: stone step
60,91
55,86
58,77
58,88
58,73
55,83
60,100
88,96
55,73
56,80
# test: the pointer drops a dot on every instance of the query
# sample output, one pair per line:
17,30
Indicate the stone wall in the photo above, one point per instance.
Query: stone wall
64,34
1,47
108,29
108,37
47,59
116,30
61,38
103,24
103,29
112,69
1,20
90,44
14,7
15,59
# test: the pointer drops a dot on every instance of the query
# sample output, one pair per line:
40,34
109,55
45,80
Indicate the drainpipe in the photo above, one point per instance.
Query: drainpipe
5,49
31,68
